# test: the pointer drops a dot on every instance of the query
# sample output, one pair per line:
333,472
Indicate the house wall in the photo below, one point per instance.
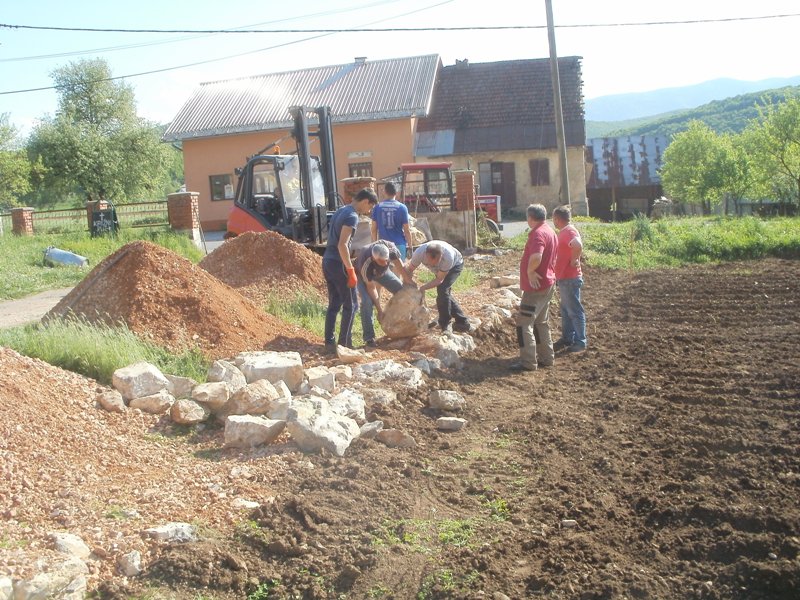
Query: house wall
526,192
385,144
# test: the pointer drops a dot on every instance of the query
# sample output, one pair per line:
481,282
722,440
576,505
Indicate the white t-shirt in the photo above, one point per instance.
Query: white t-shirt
450,257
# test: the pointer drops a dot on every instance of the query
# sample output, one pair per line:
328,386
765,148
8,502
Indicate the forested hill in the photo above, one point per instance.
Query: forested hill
730,115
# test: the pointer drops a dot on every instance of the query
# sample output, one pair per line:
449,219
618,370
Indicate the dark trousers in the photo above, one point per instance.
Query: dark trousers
340,297
445,303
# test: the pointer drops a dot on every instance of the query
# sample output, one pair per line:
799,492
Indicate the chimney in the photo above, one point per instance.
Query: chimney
360,60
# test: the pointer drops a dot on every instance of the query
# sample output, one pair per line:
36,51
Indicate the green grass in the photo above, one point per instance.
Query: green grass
644,244
23,273
96,350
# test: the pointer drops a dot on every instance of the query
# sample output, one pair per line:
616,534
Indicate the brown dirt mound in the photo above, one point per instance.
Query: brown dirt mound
266,264
164,298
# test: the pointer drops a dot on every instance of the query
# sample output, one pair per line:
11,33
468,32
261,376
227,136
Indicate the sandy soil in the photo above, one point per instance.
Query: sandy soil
661,463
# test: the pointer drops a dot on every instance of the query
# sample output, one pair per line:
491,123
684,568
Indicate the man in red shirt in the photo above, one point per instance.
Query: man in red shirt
570,281
537,279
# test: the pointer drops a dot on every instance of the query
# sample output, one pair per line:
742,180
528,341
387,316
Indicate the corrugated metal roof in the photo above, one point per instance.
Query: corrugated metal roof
625,161
359,91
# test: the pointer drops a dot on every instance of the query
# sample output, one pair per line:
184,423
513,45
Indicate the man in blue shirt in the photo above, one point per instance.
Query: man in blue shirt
338,269
390,221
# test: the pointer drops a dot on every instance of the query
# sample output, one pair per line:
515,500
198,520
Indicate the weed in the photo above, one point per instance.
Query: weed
378,591
456,533
498,508
264,590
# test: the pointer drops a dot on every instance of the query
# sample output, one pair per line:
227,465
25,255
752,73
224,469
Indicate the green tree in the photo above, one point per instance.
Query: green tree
774,139
736,170
15,168
96,146
691,170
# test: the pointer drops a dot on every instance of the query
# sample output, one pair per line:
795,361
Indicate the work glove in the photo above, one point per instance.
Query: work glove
352,280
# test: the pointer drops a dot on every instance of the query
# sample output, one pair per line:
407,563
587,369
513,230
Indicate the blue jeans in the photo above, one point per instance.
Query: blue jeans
340,297
573,316
388,280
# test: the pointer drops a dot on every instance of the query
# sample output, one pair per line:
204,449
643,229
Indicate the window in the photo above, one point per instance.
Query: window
221,187
540,171
361,169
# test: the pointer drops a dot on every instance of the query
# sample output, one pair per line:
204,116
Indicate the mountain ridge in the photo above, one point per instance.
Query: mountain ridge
637,105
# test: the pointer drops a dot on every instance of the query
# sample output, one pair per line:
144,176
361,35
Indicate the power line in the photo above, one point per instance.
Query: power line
401,29
327,32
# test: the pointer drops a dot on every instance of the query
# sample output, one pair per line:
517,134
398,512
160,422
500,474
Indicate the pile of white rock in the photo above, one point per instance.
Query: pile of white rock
260,395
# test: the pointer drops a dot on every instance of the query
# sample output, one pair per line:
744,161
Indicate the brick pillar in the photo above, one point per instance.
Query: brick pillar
465,189
22,220
352,185
184,215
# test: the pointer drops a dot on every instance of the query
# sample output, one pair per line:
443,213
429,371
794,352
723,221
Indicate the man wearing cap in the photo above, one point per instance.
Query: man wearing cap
372,268
446,263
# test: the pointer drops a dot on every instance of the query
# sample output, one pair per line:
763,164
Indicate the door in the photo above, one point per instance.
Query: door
504,183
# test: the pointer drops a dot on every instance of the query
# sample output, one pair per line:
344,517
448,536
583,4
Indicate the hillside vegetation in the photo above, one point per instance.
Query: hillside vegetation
730,115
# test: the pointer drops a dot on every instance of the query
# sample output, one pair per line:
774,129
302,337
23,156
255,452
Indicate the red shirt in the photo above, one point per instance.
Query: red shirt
564,268
541,240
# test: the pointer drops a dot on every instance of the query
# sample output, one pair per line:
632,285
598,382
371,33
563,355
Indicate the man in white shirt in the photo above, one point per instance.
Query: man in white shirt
446,263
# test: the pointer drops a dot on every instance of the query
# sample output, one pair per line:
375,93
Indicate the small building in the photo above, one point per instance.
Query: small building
498,119
624,179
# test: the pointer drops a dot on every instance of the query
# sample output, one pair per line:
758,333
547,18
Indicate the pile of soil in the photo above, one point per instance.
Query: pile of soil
267,265
164,298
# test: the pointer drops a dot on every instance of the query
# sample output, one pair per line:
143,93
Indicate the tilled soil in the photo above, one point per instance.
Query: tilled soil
660,463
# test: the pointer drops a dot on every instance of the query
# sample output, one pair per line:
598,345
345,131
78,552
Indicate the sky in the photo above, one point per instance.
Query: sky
616,59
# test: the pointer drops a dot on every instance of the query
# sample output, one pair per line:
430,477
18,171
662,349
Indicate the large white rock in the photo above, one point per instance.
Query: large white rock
110,400
139,379
321,377
349,356
213,395
253,399
180,387
378,395
349,403
371,429
450,423
389,370
405,316
6,588
172,532
222,370
130,564
246,431
447,400
188,412
272,366
68,543
394,438
321,429
503,281
65,580
155,404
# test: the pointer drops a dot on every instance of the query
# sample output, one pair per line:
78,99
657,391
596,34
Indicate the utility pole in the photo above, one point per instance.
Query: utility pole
559,112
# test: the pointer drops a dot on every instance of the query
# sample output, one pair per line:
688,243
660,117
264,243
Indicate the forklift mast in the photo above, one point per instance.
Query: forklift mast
302,136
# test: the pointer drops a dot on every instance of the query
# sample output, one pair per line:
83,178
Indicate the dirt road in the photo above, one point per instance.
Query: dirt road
31,308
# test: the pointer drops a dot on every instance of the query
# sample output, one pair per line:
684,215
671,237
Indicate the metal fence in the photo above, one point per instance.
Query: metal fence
134,214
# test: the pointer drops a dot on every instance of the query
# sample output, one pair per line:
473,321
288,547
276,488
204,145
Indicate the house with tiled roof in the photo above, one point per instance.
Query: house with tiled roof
385,113
497,118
